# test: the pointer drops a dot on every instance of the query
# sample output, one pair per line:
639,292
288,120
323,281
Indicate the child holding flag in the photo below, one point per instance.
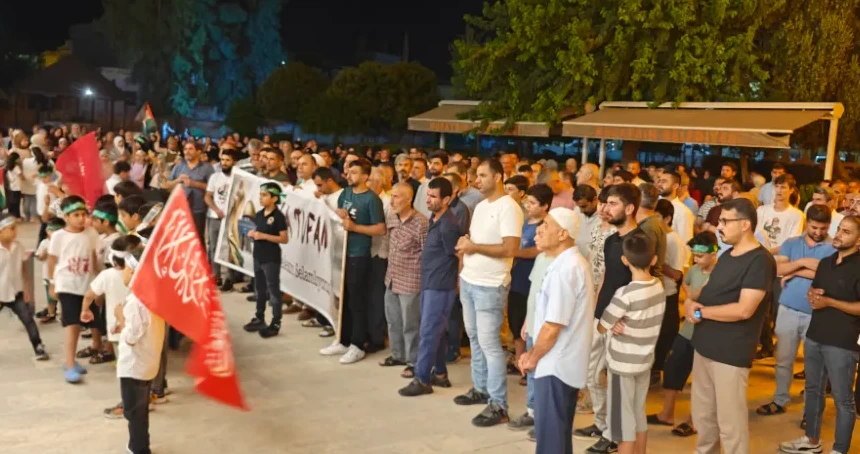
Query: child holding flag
14,293
71,260
270,233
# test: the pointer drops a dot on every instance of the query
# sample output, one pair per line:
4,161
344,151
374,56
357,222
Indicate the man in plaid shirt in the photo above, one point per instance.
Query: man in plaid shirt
407,231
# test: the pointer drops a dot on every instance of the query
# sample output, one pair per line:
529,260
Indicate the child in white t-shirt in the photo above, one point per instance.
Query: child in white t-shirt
140,347
71,262
49,314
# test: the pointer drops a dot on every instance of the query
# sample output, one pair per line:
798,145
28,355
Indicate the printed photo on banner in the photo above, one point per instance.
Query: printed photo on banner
312,261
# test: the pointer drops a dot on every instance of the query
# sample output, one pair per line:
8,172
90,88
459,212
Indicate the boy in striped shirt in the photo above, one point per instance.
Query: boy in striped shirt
634,316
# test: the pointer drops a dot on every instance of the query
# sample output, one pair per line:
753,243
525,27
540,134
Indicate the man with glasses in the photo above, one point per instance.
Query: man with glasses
729,317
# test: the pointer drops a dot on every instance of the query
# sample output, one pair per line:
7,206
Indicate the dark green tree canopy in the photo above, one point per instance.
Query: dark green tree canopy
289,90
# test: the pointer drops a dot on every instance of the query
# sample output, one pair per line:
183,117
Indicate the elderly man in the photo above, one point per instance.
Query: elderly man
251,163
407,232
588,174
563,192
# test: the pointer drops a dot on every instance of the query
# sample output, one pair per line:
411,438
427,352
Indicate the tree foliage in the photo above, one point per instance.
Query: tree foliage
288,91
244,117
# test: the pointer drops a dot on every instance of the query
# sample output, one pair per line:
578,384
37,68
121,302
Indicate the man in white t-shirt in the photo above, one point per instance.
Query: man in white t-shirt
217,195
121,171
683,219
780,221
488,251
564,309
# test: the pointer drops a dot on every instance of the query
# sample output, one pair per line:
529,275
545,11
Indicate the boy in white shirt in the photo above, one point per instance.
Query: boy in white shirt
49,314
14,293
71,262
141,340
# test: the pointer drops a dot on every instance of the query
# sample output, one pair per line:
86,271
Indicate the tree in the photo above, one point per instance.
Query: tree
416,90
535,61
243,117
288,91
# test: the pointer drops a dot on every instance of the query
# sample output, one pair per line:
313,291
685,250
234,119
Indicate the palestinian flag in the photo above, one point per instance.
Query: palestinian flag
148,119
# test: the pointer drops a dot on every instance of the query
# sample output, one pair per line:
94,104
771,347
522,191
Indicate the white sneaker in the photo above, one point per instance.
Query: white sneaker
800,446
353,355
336,348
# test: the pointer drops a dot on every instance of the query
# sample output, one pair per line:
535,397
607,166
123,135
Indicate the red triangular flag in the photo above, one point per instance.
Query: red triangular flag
81,169
175,282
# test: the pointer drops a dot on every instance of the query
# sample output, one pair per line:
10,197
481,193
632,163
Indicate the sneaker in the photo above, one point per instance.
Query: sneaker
41,354
72,375
523,422
472,397
227,286
440,381
603,446
352,355
271,330
41,313
158,399
47,319
492,415
415,388
114,412
531,434
254,325
588,433
800,445
327,331
336,348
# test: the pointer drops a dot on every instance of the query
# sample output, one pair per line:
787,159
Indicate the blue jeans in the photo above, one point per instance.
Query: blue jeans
433,343
455,330
837,364
791,326
483,313
530,379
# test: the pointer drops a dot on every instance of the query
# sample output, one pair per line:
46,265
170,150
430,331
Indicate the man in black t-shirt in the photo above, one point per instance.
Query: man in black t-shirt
728,318
621,206
830,349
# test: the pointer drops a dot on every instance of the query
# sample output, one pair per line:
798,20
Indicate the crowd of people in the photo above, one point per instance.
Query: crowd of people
592,288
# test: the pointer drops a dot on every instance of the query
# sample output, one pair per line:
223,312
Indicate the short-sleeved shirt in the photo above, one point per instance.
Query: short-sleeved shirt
280,177
201,174
779,226
566,298
74,252
841,281
734,343
272,224
794,293
523,267
219,186
616,274
542,262
492,222
364,209
407,238
654,229
439,262
110,283
641,305
11,271
695,278
676,258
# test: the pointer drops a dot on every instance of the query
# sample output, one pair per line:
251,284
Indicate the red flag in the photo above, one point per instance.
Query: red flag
175,282
81,169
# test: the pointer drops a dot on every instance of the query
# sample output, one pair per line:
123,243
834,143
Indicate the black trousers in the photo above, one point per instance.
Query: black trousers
555,407
24,312
355,317
766,337
267,286
679,364
43,234
135,408
377,325
668,331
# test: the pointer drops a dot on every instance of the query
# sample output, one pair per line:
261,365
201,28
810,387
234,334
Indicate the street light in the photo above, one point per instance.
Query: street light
89,93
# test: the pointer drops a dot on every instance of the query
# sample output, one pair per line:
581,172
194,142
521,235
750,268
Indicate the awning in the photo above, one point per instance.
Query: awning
445,118
748,127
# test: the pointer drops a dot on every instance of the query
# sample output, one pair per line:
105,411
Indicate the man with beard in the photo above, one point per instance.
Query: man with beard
830,348
682,221
622,204
438,161
796,261
217,196
585,197
728,318
194,174
727,190
363,218
709,204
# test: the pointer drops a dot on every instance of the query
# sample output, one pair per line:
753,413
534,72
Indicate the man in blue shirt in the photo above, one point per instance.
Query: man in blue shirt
194,174
796,265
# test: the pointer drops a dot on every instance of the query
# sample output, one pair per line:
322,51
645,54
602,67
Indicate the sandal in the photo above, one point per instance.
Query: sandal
655,420
86,353
102,357
409,372
770,409
684,430
312,323
390,362
48,319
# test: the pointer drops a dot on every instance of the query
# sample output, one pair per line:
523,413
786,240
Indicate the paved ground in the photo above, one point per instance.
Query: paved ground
302,403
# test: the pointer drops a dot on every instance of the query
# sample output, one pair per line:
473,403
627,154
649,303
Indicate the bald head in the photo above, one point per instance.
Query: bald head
587,174
401,198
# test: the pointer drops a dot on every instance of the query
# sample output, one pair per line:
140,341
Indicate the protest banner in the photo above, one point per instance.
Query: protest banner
312,260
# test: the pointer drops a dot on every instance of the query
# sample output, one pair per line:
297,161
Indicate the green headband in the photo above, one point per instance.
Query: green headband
704,249
77,206
104,216
275,191
53,228
46,174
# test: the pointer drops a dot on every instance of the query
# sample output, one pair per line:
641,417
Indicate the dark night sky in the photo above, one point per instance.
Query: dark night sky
312,29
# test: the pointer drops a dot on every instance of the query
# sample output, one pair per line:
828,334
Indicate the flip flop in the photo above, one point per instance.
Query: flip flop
683,430
390,362
655,420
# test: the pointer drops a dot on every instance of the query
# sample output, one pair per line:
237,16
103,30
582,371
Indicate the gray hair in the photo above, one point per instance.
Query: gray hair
650,195
400,158
826,192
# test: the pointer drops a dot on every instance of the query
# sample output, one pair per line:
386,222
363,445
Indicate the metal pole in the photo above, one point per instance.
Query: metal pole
584,151
442,141
831,149
602,158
